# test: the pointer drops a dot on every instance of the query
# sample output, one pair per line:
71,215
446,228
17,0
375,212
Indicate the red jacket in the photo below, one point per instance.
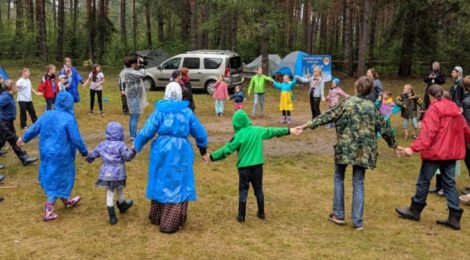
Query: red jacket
444,133
47,88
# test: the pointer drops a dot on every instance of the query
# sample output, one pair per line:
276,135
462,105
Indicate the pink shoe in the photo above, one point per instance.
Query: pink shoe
69,203
49,213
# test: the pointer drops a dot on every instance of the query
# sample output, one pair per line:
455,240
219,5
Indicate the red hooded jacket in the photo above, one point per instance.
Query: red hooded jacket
49,86
444,133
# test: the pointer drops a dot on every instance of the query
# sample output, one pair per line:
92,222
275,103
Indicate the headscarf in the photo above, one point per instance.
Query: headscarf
173,92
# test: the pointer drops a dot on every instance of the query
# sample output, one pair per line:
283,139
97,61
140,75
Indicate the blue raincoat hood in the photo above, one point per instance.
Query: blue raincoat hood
64,102
114,132
170,106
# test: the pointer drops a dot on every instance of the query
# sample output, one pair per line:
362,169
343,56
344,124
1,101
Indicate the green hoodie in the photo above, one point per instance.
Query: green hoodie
248,141
258,83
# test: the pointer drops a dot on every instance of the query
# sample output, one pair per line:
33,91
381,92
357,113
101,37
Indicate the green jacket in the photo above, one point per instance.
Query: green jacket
258,83
248,141
357,122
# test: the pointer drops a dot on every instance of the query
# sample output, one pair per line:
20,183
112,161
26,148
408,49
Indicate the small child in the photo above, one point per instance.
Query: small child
220,93
238,97
25,99
387,107
334,96
49,87
285,103
248,141
114,154
409,104
63,82
96,77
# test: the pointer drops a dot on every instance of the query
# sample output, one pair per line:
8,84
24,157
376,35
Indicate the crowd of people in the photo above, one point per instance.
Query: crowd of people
441,117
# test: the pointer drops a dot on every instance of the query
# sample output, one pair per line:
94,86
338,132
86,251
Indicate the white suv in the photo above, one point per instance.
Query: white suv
204,68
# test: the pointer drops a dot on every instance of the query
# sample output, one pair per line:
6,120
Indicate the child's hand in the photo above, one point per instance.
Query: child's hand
20,142
296,131
206,158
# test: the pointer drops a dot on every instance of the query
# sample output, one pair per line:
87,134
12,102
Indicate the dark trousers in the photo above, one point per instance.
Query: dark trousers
253,175
125,109
99,93
50,103
467,160
26,107
428,169
315,106
285,112
8,134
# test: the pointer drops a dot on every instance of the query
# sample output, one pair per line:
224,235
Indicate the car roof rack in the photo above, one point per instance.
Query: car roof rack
210,52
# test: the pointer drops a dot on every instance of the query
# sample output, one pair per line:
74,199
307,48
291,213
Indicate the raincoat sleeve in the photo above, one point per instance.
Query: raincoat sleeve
252,83
93,154
226,150
33,131
199,133
343,93
77,75
430,129
302,79
74,135
148,132
386,130
267,78
127,153
270,132
277,85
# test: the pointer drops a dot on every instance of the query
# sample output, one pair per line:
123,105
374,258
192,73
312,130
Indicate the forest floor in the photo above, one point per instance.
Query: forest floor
297,184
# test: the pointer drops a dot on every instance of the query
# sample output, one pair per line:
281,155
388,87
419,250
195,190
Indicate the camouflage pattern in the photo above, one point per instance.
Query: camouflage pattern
409,105
357,123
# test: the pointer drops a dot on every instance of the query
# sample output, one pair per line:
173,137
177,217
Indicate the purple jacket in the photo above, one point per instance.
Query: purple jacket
114,153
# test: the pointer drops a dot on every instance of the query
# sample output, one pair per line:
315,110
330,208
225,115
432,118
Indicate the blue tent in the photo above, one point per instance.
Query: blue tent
3,73
291,64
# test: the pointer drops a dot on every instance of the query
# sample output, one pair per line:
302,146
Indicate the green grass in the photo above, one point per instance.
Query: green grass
298,189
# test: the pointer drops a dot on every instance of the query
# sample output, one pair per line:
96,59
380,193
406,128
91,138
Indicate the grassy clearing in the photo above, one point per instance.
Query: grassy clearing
298,190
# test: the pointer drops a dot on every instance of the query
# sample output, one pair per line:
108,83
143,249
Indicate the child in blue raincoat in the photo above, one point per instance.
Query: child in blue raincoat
74,78
60,138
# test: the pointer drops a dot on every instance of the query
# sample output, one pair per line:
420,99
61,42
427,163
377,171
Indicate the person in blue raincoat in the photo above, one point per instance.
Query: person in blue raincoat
60,138
170,174
73,77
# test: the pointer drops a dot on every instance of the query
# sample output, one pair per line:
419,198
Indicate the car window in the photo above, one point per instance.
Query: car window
191,63
172,64
236,64
212,63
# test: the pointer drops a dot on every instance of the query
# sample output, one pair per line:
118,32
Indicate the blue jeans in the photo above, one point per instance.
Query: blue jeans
259,97
50,103
447,169
219,106
358,193
413,120
133,121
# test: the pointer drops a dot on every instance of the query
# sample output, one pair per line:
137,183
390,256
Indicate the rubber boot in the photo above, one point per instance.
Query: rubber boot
454,219
112,215
49,213
26,160
260,213
124,206
70,203
241,212
413,212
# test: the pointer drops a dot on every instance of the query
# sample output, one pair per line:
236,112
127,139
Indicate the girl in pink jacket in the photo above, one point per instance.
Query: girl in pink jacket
220,94
334,96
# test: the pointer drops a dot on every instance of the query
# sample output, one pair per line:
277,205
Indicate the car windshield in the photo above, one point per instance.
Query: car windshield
172,64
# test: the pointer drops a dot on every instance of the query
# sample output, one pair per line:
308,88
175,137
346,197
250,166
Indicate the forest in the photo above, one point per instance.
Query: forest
399,37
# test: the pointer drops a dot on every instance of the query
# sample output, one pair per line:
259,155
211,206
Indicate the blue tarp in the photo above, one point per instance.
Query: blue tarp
291,65
3,73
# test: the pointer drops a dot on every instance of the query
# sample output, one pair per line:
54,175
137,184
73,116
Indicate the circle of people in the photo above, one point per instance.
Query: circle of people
359,120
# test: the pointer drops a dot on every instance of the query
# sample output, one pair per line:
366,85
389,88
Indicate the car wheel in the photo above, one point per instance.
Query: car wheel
210,87
149,84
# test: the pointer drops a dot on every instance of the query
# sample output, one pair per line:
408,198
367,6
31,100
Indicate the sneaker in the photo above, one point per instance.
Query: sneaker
440,192
2,178
90,112
2,166
102,113
414,136
70,203
337,220
49,213
283,119
3,152
358,228
464,199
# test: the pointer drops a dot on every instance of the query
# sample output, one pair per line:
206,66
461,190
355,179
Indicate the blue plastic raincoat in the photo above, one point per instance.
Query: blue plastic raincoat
171,178
74,79
60,138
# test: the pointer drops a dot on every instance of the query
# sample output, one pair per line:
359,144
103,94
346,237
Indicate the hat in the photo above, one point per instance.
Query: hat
459,70
336,81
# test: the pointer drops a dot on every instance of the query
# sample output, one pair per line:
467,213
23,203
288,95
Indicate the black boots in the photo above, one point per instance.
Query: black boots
241,212
454,219
124,206
260,213
112,216
26,160
413,212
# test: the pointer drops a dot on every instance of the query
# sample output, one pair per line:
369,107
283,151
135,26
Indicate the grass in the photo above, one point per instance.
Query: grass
298,190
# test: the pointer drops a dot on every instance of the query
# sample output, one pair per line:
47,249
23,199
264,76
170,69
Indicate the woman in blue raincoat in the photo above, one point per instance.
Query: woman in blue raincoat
60,138
170,178
74,78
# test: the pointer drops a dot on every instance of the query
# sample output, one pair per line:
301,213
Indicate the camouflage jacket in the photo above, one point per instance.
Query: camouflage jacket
357,122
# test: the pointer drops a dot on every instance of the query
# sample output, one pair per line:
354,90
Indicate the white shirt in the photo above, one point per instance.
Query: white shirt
99,78
24,90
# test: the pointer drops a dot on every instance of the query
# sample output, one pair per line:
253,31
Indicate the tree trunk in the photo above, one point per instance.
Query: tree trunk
134,26
9,10
364,38
19,29
348,38
408,43
307,25
122,17
54,14
30,15
102,29
193,10
323,32
91,11
41,25
60,30
234,35
290,19
373,31
161,24
148,25
185,16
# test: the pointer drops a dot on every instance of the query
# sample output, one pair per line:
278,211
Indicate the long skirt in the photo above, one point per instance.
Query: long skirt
171,217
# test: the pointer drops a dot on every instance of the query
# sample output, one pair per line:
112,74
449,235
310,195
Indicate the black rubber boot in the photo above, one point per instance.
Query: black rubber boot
26,160
454,219
260,213
112,215
413,212
241,212
124,206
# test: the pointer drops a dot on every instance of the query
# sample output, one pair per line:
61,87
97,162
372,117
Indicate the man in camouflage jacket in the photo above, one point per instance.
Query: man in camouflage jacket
357,123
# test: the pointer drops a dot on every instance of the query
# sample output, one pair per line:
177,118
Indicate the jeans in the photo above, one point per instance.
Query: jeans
315,106
358,193
219,106
99,93
26,107
406,122
447,169
50,103
133,121
253,174
259,97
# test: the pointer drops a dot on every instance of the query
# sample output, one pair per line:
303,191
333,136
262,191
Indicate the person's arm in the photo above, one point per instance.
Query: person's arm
379,89
270,132
252,83
429,130
74,135
226,150
226,91
329,116
127,154
148,132
267,78
322,90
303,80
93,154
459,96
199,134
277,85
399,101
343,93
87,80
440,78
386,130
32,131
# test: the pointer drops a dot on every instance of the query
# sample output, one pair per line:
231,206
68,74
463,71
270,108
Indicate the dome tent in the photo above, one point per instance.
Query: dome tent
274,61
291,64
3,73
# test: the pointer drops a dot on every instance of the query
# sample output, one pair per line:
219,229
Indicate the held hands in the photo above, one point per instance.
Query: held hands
400,151
206,158
296,131
20,142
